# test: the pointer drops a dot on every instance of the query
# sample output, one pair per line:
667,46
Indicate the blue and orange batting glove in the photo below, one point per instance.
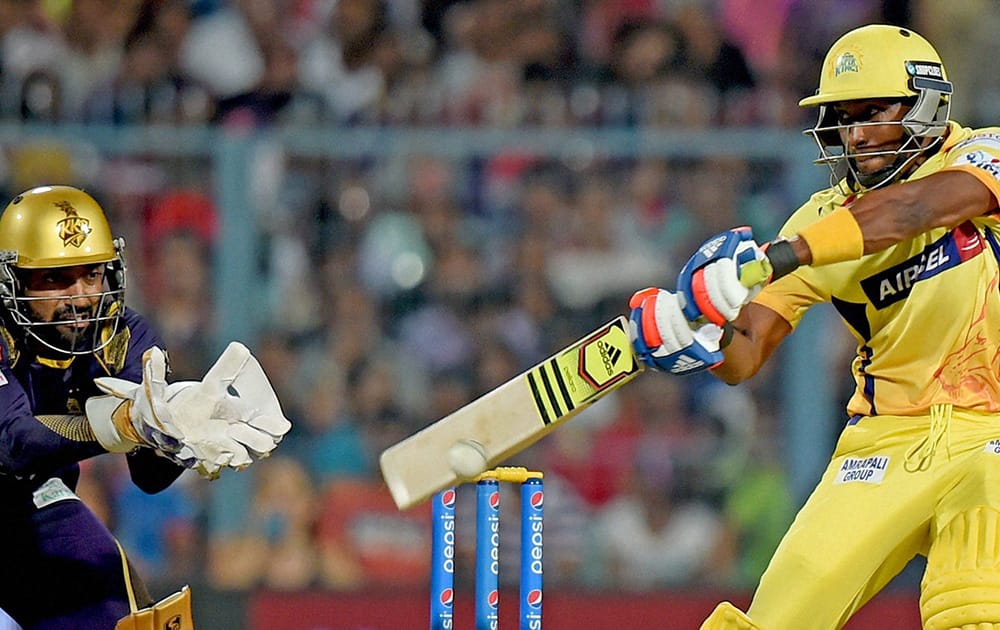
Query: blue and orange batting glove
726,272
663,338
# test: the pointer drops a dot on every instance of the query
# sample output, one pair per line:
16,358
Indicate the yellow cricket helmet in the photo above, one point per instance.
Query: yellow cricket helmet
60,226
877,61
880,61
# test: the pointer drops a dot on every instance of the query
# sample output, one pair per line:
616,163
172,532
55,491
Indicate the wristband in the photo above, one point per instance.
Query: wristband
727,335
834,238
782,257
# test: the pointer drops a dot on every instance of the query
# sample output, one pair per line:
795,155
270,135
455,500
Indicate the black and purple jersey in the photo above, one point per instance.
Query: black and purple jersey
69,568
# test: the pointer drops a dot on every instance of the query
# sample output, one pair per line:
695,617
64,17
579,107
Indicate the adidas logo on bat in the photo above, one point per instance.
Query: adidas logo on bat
609,356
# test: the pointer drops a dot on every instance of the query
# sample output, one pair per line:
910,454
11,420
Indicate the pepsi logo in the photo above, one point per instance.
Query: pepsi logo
448,498
534,598
536,499
493,599
447,596
495,500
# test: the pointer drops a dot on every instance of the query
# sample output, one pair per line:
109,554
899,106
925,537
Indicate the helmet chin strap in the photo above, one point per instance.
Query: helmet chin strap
878,177
904,164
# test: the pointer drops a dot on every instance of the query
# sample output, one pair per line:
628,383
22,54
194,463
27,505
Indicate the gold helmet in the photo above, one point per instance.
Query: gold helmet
879,61
60,226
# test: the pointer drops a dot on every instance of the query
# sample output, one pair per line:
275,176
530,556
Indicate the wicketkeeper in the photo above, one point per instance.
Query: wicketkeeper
82,375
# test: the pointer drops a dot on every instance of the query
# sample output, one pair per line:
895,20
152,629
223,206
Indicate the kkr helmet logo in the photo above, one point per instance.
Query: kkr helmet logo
846,63
73,229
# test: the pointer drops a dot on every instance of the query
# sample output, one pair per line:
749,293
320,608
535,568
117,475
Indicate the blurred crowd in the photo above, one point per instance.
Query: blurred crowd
393,291
503,63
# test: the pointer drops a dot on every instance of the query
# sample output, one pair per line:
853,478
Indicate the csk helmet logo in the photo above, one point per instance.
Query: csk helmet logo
73,229
846,62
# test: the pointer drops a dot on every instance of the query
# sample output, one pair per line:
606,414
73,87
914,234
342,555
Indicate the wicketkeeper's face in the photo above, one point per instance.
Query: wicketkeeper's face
65,294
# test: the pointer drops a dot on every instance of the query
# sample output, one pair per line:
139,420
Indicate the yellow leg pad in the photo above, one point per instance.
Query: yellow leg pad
961,585
170,613
728,617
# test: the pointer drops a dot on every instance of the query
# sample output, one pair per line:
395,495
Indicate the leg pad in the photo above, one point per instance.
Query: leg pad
961,585
728,617
170,613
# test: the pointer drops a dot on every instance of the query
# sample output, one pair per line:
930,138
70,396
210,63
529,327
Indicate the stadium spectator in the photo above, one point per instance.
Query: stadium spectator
654,536
261,529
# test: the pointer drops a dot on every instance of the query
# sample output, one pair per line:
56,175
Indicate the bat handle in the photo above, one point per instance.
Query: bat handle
756,273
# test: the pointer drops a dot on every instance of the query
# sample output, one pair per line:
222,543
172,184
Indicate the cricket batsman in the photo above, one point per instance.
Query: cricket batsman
905,244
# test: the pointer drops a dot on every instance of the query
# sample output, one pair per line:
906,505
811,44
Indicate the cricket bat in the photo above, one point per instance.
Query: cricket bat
513,416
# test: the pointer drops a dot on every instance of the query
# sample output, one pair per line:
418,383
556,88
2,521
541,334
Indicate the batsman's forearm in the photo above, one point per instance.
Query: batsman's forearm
757,331
739,363
881,218
944,199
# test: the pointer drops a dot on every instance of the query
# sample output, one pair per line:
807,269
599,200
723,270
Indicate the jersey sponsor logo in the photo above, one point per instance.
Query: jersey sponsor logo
989,141
52,491
862,470
981,160
895,283
992,447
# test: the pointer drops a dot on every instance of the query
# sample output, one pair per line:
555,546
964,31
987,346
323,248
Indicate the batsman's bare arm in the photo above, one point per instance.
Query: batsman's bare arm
889,215
885,217
757,332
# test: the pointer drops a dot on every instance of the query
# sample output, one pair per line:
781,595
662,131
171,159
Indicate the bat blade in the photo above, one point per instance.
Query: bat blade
515,415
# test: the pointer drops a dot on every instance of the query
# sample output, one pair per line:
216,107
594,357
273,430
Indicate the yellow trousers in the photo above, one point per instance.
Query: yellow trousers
895,487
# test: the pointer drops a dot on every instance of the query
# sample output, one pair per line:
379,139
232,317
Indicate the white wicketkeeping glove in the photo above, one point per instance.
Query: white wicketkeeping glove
229,418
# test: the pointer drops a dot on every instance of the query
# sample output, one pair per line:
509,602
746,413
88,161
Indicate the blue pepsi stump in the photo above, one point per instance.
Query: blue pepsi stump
532,509
443,560
487,553
487,569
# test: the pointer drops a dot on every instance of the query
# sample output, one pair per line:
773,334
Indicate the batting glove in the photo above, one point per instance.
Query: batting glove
663,338
726,272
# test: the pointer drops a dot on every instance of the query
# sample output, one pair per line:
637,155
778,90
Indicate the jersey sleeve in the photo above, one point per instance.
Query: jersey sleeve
148,471
978,155
792,295
34,443
141,336
29,445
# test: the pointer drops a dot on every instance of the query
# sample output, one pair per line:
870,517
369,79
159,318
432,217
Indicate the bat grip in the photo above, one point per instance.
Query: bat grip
780,260
756,273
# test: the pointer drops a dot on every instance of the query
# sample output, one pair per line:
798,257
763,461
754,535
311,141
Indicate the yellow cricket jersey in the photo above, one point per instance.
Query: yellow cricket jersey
925,312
